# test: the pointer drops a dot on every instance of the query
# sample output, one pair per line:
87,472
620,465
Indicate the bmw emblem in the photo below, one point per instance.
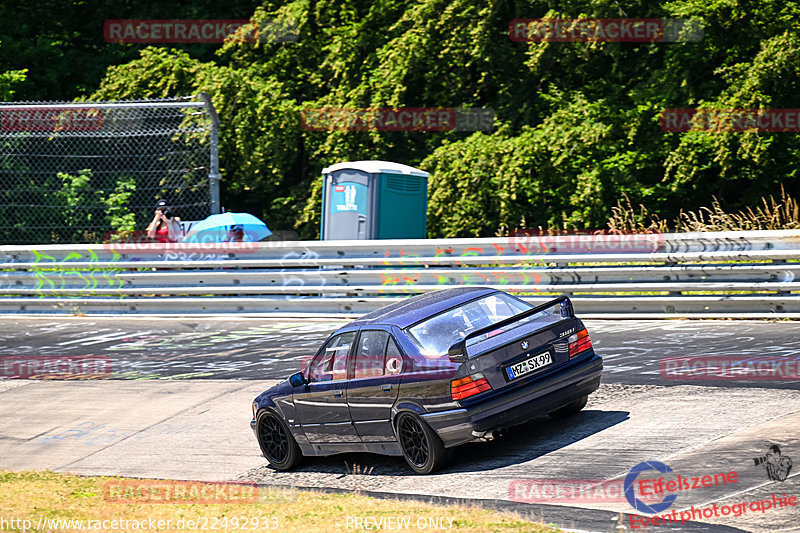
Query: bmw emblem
524,345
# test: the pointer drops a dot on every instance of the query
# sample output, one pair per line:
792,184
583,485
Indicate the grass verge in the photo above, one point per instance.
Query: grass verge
47,501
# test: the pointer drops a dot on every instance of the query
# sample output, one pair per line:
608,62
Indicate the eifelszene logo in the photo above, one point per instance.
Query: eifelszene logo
667,485
638,504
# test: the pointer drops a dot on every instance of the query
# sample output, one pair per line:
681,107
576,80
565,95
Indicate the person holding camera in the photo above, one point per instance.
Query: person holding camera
777,466
165,227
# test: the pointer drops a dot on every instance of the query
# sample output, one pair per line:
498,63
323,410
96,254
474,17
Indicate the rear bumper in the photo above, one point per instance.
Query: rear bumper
456,426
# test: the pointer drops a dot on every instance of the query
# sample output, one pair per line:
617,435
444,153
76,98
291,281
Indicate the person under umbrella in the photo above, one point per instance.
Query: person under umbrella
228,227
236,233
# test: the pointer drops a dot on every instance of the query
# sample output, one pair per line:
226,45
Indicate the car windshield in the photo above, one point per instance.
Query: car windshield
435,335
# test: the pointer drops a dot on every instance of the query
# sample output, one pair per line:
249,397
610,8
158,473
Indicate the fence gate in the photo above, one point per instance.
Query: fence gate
87,172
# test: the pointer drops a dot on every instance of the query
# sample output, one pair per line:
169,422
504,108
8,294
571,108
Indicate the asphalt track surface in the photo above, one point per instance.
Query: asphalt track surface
176,405
140,348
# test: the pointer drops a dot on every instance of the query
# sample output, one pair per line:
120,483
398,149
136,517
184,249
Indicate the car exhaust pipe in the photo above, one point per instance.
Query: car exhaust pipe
499,433
493,434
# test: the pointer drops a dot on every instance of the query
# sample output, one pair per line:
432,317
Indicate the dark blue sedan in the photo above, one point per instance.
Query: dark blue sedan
421,376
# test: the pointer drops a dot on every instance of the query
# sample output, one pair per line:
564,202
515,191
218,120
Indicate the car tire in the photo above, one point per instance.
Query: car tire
571,408
422,448
276,441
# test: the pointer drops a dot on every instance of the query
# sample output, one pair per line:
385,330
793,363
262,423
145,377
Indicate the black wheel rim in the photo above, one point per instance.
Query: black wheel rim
413,440
274,440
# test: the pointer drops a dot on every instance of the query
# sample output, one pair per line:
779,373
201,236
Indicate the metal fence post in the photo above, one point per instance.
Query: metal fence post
214,175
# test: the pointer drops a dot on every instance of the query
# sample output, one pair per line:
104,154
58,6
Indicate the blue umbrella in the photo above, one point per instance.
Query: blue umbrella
216,228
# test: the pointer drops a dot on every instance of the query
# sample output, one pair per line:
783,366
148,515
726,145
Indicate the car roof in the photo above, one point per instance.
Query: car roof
411,310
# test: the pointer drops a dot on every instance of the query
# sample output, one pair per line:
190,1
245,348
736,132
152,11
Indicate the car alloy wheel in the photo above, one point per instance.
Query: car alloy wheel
277,444
422,448
414,441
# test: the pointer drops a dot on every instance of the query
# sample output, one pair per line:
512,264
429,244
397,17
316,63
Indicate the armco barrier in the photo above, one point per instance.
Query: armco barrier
722,274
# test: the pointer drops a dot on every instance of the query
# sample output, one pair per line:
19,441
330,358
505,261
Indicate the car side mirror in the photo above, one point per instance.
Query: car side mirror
296,380
458,352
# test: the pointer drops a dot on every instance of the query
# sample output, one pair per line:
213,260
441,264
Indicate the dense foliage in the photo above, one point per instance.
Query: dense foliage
577,123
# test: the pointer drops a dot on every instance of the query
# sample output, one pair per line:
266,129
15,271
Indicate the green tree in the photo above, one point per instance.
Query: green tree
9,80
578,123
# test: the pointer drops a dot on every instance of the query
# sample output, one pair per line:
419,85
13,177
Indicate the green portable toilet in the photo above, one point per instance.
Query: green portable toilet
374,200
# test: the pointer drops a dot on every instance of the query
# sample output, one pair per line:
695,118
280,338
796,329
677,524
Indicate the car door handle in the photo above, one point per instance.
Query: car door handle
386,388
338,393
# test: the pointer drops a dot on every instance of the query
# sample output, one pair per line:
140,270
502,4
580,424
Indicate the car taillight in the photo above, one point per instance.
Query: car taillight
253,406
579,342
469,386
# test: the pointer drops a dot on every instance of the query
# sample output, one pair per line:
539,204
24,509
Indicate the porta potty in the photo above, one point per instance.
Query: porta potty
374,200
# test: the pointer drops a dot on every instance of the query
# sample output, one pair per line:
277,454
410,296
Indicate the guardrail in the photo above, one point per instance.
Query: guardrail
721,274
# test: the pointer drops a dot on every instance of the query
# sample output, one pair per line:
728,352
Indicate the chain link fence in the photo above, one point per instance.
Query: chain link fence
88,172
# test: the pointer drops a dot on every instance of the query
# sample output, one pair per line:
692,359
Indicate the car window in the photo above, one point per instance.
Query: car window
331,363
394,359
436,334
371,354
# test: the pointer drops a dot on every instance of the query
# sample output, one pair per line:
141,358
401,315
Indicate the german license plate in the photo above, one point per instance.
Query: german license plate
529,365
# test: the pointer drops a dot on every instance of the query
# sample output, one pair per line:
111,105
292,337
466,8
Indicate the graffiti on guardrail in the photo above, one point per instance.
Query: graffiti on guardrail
526,273
403,282
408,279
531,246
53,275
56,278
525,263
717,244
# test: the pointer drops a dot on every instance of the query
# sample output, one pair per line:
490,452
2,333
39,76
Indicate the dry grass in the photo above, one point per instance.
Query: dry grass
772,214
625,220
38,496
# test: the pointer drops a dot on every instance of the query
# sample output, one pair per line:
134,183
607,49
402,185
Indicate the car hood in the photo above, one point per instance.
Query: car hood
284,388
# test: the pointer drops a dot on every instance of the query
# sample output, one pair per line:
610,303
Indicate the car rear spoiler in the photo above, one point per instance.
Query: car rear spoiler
458,351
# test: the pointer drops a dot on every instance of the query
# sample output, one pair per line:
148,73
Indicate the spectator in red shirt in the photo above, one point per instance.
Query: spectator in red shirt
165,226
